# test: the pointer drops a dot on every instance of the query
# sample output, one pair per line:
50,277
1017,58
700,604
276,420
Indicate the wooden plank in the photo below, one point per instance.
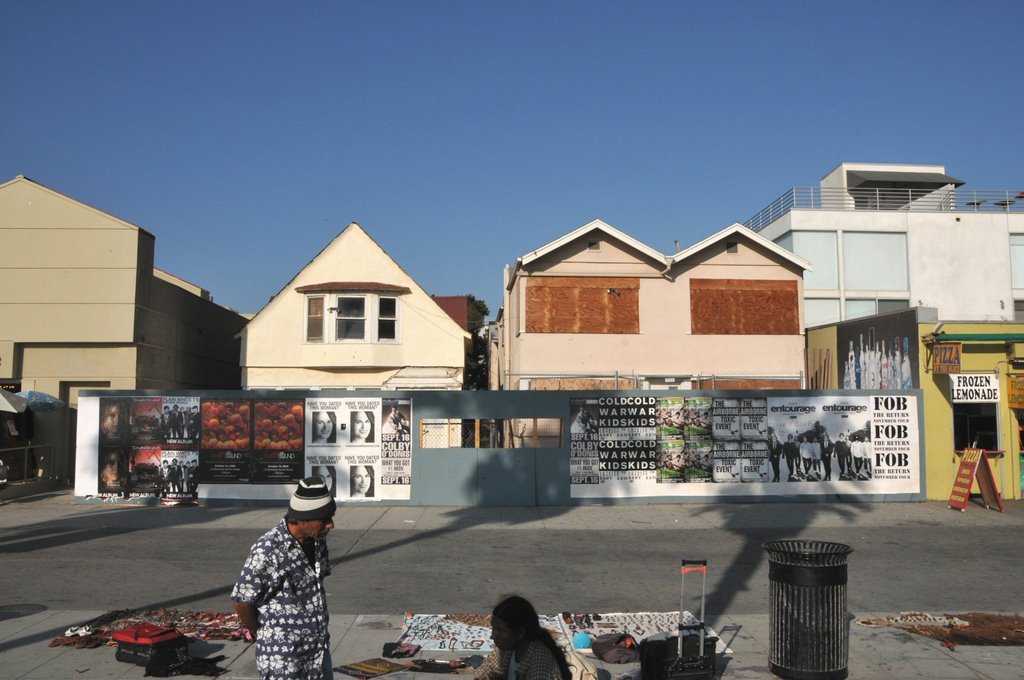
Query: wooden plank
744,307
582,305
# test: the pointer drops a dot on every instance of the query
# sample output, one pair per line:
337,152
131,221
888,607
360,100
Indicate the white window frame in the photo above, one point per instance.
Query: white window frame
395,319
371,318
323,319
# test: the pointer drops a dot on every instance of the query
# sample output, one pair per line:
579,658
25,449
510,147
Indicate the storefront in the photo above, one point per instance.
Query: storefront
971,375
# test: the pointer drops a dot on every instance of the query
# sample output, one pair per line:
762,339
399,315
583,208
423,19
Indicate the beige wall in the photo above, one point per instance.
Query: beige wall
665,344
275,352
80,306
187,342
44,368
67,272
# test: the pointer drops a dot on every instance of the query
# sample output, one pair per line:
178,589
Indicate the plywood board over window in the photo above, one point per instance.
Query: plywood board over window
582,305
744,307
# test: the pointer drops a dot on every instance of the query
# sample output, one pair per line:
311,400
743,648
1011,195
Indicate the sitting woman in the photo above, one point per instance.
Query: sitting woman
523,650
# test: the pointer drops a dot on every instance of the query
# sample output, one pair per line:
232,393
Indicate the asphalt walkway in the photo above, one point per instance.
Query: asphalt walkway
875,652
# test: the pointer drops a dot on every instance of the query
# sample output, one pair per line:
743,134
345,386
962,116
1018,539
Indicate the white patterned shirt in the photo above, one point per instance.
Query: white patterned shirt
289,595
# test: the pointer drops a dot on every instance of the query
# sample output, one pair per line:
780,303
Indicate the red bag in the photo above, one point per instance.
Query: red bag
145,634
146,644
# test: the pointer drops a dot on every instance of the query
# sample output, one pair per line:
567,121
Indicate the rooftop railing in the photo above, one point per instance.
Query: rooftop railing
910,200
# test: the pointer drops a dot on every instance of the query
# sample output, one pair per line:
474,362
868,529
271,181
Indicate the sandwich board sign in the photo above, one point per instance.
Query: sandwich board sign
974,465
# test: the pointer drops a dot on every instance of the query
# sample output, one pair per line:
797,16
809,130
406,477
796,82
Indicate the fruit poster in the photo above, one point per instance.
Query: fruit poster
225,456
278,431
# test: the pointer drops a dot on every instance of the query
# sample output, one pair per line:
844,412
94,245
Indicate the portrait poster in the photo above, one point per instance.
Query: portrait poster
362,445
396,449
133,434
180,422
179,475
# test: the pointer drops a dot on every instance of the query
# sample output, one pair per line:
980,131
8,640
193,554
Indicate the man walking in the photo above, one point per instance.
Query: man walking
280,594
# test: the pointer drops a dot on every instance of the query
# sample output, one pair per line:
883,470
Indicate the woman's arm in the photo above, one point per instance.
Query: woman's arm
490,669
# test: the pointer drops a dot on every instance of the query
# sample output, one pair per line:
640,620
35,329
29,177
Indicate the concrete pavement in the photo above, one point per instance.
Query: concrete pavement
28,622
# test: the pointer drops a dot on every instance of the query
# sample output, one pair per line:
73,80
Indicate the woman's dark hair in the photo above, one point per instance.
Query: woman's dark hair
518,613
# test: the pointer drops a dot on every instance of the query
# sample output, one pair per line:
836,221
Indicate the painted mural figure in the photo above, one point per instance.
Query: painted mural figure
906,381
858,365
849,376
883,368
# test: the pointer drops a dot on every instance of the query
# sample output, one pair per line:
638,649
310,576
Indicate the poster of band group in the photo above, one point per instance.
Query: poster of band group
726,445
166,447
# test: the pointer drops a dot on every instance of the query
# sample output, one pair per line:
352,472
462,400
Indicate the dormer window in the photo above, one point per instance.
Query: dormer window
360,311
363,311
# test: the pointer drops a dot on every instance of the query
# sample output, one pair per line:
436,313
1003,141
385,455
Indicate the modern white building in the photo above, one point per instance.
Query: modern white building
882,237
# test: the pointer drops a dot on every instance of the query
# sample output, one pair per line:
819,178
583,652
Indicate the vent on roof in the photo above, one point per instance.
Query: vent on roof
732,246
593,245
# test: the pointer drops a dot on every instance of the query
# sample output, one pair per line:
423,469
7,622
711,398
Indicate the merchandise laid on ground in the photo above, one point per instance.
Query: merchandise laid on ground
911,644
468,634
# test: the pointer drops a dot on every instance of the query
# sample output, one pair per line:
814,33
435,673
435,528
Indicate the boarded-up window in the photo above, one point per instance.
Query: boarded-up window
744,307
582,305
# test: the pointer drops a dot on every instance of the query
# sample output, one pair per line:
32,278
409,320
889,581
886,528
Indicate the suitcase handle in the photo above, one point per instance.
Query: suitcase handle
692,567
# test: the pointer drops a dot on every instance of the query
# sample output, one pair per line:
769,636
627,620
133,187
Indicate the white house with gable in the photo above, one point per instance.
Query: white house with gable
353,318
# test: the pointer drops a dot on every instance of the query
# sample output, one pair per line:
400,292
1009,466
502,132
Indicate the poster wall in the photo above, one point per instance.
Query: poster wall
165,447
362,446
148,447
711,445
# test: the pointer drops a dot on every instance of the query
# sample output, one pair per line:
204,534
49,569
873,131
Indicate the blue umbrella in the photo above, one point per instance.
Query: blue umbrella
41,401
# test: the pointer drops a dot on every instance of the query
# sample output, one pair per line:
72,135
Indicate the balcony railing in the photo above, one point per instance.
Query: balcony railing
910,200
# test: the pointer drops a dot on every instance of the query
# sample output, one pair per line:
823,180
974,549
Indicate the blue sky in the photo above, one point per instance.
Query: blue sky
462,135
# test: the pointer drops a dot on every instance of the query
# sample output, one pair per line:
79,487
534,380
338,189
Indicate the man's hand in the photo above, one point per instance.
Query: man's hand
248,616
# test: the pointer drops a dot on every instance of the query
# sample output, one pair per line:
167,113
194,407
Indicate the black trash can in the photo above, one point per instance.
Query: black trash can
808,627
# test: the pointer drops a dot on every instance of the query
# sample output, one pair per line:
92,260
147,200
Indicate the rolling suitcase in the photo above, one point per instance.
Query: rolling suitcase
690,655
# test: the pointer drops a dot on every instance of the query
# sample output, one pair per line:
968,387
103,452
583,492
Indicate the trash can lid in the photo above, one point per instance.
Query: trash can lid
807,553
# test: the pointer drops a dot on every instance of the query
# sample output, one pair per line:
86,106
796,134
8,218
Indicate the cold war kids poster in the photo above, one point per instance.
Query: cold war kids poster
734,445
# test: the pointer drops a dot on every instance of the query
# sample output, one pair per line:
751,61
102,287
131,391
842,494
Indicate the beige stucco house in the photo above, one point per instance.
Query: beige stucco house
597,308
353,318
83,307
